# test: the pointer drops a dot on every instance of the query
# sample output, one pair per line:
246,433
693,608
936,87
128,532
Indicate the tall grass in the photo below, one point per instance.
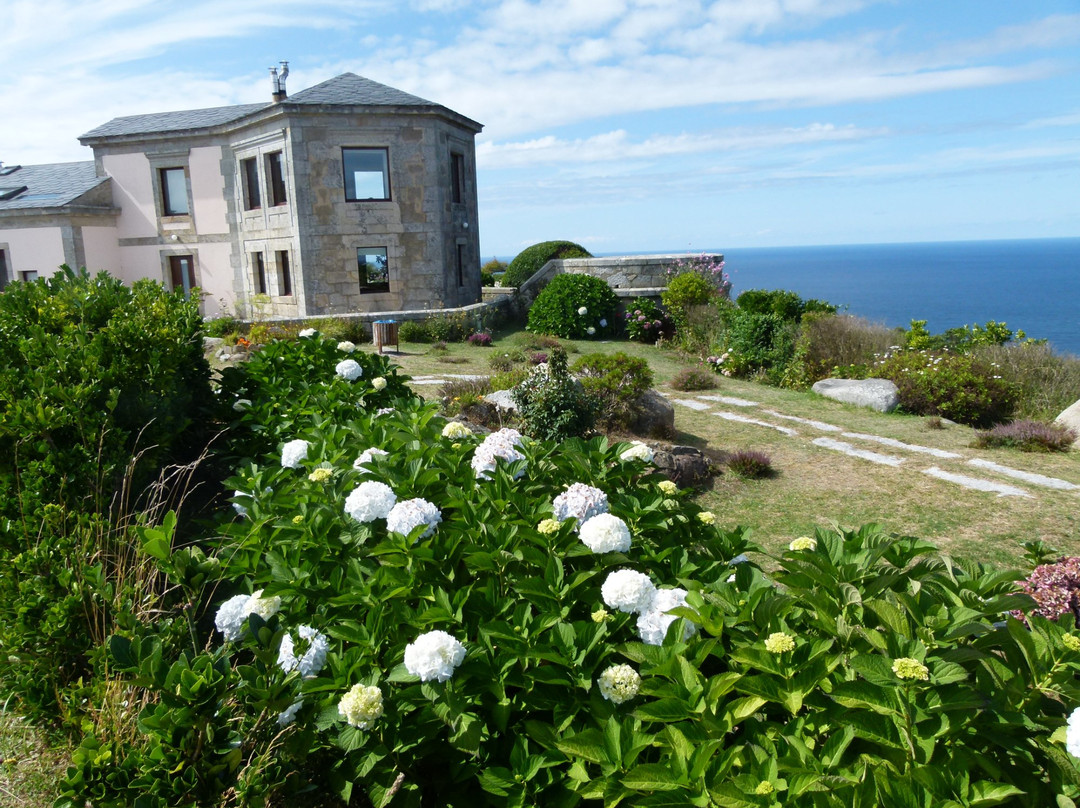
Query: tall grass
1049,382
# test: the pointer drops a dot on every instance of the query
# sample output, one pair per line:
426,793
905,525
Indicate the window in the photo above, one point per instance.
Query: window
3,270
284,276
275,170
174,201
182,273
457,178
28,275
367,174
374,269
461,265
249,172
259,270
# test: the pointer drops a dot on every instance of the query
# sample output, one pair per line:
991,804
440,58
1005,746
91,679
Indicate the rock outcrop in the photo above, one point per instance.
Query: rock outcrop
654,416
1070,417
877,394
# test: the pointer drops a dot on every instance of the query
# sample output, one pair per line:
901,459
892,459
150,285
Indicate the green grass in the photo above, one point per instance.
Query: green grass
30,767
814,486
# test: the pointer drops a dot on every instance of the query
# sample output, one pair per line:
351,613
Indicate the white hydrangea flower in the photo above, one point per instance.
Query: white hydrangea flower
803,543
581,502
379,383
367,456
455,430
410,514
384,410
362,706
264,607
628,591
603,323
231,617
582,311
312,660
1072,733
497,446
370,501
434,655
346,346
619,683
292,453
308,332
240,509
288,715
654,623
349,369
605,533
590,331
638,451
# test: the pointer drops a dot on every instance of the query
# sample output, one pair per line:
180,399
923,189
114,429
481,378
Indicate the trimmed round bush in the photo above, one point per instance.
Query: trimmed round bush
686,290
528,262
574,307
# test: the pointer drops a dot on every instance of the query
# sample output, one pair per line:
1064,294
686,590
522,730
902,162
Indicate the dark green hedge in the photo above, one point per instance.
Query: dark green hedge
529,260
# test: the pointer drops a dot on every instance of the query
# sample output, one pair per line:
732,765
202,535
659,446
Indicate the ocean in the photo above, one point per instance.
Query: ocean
1032,285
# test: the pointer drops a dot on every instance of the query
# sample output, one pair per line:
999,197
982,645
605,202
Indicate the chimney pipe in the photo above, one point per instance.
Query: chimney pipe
278,82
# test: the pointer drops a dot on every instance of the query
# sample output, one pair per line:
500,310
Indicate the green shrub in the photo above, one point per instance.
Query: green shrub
959,387
415,331
758,342
1046,383
101,386
574,307
786,305
552,404
646,322
220,326
530,260
827,341
450,327
492,271
689,379
617,382
684,292
509,379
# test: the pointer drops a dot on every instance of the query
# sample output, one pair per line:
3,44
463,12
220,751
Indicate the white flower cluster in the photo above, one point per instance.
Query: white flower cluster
496,446
370,501
582,311
312,660
1072,733
367,456
308,332
455,430
362,706
379,383
346,346
605,533
638,451
619,683
653,624
288,715
434,655
292,453
581,502
240,509
628,591
349,369
410,514
233,613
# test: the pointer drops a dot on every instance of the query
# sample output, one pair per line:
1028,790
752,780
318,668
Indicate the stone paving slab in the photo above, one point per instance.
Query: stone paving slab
731,401
742,419
851,451
689,403
908,447
977,484
1026,476
824,427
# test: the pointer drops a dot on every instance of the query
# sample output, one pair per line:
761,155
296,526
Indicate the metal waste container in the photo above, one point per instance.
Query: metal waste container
384,332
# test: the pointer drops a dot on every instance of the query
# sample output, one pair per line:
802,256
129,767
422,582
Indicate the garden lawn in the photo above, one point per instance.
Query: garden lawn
815,486
30,768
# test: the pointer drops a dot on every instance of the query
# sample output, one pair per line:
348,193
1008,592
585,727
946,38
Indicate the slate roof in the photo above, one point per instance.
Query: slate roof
48,186
348,89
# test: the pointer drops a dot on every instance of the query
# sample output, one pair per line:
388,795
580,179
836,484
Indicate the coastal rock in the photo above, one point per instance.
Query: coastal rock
1070,417
877,394
502,399
685,466
654,416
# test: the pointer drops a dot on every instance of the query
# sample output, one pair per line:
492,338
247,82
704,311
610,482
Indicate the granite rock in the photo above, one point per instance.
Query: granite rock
877,394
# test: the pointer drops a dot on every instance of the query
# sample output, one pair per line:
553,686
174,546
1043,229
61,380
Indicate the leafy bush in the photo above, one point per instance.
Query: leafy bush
706,267
617,382
480,339
490,271
749,463
509,379
1047,383
415,331
574,307
500,363
955,386
1027,436
646,322
539,342
685,292
530,260
450,327
693,379
552,404
102,385
758,342
786,305
220,326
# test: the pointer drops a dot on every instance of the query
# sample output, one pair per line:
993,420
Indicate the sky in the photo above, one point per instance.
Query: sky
627,125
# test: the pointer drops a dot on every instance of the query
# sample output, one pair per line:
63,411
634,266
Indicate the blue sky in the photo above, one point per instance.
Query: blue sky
628,125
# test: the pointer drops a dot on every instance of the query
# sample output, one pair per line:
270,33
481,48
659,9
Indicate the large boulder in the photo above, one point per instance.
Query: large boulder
1070,418
654,416
686,466
877,394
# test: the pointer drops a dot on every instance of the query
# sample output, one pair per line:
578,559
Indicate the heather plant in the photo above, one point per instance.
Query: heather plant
574,307
750,464
647,322
530,260
480,339
617,382
1027,436
689,379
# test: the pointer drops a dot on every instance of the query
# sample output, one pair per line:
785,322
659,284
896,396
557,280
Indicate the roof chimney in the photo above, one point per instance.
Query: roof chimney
277,80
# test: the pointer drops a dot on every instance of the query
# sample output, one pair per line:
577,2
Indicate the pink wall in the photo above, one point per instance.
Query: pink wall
101,250
34,248
208,190
133,193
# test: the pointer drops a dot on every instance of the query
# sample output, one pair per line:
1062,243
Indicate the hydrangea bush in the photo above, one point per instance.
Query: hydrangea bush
497,660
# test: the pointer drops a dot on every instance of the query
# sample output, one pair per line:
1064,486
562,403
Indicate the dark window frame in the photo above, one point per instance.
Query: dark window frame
258,265
275,173
249,177
367,287
457,178
284,274
4,279
462,249
169,205
176,272
350,185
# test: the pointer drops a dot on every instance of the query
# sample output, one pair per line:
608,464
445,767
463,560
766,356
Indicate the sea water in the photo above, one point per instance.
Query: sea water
1032,285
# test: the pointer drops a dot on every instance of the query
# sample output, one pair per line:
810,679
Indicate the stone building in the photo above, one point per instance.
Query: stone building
349,196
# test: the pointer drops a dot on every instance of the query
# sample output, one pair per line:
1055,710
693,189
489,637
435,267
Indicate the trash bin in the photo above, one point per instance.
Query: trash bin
384,332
